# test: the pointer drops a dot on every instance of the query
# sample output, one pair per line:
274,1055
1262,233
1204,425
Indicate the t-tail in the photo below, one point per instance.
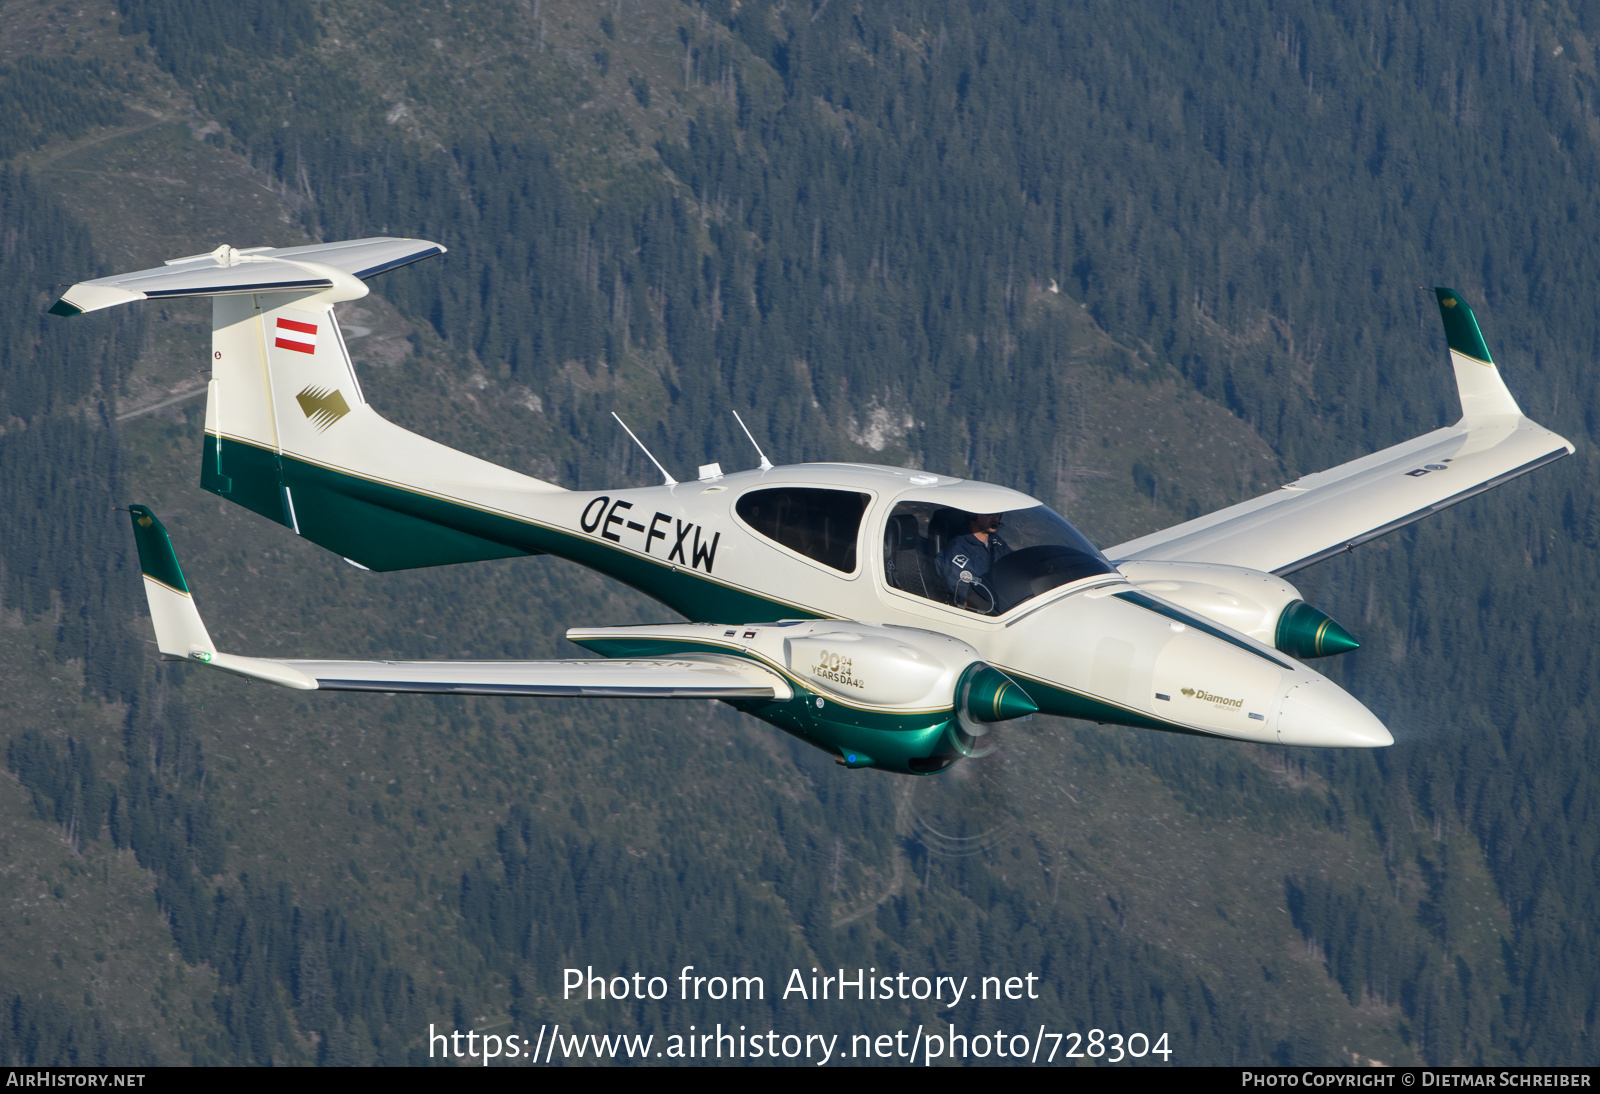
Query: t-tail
288,432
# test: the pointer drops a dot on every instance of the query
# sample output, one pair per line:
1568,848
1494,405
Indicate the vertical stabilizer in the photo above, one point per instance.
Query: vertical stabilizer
280,375
290,435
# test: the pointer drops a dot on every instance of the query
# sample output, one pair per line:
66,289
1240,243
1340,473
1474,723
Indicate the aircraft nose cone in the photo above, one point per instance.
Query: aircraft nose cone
1322,714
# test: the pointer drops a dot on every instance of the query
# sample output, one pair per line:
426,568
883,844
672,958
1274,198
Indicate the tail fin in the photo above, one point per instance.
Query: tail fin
1483,393
289,434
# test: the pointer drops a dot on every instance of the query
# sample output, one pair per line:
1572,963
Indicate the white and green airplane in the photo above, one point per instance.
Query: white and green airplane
888,616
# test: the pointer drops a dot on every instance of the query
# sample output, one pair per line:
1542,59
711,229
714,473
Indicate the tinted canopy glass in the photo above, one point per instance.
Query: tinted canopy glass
820,524
985,563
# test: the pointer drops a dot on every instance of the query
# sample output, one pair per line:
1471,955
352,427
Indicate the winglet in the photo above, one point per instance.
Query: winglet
1483,392
157,560
180,632
1461,326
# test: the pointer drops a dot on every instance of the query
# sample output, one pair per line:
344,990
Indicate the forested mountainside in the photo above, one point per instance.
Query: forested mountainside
1138,260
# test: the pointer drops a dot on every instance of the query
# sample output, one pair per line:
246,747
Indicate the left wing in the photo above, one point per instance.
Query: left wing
590,678
182,635
1333,511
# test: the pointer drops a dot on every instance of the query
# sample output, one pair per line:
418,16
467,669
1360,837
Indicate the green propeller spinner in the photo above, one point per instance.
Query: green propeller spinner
1303,631
986,694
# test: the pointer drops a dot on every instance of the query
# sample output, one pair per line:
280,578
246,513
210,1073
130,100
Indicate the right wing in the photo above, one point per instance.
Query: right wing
1333,511
182,635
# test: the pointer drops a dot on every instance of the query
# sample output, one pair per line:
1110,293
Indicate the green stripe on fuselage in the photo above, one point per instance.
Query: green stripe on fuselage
251,477
386,527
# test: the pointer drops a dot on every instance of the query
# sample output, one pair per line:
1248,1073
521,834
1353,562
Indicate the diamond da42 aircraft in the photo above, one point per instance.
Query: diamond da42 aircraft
888,616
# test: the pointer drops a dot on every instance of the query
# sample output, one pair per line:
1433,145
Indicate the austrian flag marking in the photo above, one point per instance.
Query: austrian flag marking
298,336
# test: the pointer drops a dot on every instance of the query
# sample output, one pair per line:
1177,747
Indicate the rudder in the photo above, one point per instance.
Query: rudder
290,435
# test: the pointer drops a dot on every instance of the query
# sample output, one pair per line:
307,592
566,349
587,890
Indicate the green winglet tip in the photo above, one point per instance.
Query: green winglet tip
61,307
992,696
156,558
1461,326
1304,631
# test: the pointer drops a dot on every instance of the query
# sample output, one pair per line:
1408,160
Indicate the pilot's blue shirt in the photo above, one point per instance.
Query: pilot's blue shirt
967,560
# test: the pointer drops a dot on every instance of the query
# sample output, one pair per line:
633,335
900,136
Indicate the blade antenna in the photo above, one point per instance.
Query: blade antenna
766,464
670,480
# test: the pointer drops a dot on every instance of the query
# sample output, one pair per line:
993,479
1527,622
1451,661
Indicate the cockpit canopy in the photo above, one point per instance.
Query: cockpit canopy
929,551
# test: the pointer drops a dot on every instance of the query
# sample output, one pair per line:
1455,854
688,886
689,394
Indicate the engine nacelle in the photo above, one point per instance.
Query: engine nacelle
1261,605
877,666
899,698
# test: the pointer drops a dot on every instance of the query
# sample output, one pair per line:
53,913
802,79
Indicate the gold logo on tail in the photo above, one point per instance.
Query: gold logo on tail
323,406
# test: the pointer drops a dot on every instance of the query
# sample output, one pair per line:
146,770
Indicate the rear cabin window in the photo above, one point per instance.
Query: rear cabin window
821,524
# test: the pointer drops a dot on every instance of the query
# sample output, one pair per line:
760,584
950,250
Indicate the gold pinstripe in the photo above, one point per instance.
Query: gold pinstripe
169,588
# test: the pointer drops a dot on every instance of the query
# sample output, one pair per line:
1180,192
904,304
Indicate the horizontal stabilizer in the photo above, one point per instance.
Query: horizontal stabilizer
227,271
180,634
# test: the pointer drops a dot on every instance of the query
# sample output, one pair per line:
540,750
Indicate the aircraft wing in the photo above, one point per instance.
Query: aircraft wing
181,634
1333,511
724,678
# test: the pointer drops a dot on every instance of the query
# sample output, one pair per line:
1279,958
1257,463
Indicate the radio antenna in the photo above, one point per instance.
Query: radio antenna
670,480
766,464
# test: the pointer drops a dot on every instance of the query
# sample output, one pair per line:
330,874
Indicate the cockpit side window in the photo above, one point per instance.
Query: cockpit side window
821,524
984,563
914,539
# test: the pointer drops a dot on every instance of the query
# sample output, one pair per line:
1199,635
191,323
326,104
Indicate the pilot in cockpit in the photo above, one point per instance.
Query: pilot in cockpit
967,559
